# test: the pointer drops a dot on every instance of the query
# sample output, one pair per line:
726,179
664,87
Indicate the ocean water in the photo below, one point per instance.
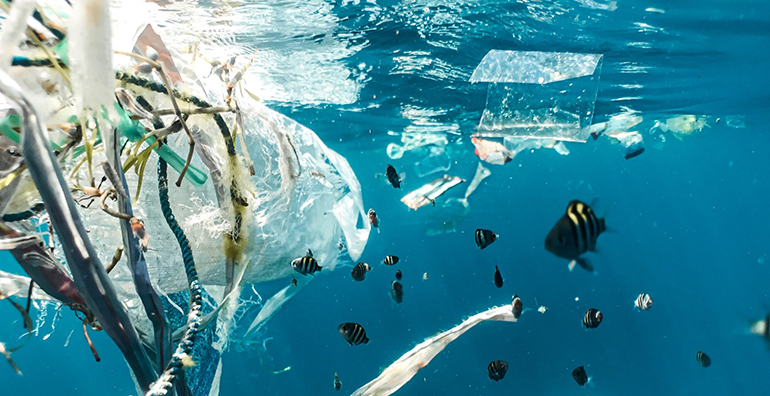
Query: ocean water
687,218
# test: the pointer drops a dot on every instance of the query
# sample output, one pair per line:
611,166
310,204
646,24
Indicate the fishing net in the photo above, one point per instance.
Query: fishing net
260,189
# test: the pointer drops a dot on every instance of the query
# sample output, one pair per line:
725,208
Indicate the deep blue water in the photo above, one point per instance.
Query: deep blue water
688,219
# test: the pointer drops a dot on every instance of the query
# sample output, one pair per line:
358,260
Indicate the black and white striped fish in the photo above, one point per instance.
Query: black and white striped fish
497,369
703,359
643,302
359,271
305,265
485,238
592,319
574,234
390,260
353,333
337,382
397,292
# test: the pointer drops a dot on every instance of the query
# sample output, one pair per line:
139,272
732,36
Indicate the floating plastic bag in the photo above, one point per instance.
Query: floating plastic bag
543,95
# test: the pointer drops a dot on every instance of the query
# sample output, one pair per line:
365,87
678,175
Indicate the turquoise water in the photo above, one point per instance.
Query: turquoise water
687,218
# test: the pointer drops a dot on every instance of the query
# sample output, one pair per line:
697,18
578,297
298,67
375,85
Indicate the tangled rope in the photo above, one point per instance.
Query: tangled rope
181,357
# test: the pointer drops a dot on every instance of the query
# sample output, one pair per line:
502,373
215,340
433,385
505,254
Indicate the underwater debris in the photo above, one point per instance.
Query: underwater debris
538,95
682,126
492,152
429,192
402,370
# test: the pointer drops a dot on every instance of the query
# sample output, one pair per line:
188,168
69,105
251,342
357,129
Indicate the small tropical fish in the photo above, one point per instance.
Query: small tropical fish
574,234
393,177
373,220
337,382
580,376
703,359
497,369
305,265
643,302
425,276
397,291
398,275
359,271
353,333
592,319
340,245
485,238
293,281
517,306
498,278
390,260
137,226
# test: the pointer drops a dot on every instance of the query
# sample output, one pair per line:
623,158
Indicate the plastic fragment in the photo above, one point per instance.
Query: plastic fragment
403,369
429,192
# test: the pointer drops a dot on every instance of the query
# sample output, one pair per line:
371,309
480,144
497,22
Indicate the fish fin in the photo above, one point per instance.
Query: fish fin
585,264
590,382
571,265
366,340
378,229
401,177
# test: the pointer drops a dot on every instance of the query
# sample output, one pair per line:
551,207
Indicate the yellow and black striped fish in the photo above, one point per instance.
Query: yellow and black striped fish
305,265
592,319
497,369
353,333
643,302
359,271
575,233
703,359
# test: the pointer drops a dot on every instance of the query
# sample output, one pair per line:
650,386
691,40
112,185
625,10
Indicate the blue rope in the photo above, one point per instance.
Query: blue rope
184,349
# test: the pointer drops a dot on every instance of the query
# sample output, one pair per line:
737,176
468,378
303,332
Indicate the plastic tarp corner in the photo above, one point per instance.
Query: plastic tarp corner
538,95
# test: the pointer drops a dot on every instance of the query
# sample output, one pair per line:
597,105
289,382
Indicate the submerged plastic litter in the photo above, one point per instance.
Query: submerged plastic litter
539,95
430,191
402,370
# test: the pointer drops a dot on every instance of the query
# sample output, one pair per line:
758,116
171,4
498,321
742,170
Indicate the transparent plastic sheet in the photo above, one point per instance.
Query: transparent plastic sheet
540,95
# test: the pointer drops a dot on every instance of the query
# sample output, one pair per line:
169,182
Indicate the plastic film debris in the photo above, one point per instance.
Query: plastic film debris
541,95
429,192
403,369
